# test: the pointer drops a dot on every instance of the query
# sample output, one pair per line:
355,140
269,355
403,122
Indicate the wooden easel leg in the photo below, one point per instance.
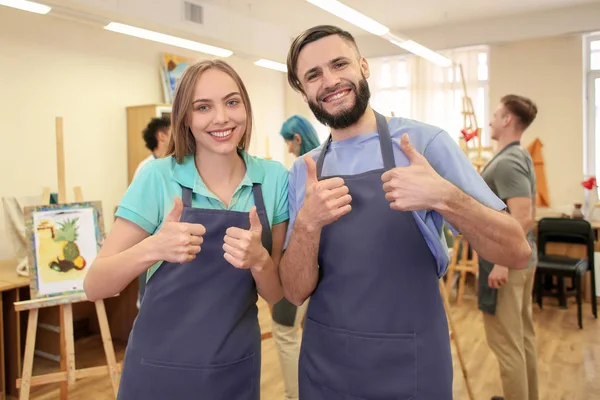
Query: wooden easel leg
29,353
455,338
453,262
67,349
461,287
109,350
69,342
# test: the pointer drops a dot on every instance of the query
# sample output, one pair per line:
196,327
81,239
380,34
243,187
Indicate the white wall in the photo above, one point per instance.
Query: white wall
54,67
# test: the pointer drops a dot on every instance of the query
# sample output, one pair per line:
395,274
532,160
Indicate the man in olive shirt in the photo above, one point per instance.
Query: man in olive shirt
505,293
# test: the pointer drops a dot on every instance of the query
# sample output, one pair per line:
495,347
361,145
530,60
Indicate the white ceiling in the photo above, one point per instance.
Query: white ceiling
398,15
265,28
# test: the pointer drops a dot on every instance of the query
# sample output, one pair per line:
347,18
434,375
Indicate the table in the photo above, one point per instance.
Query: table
12,288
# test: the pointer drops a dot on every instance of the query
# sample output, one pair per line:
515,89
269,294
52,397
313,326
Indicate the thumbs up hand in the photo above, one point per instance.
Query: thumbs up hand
178,242
325,201
414,187
243,248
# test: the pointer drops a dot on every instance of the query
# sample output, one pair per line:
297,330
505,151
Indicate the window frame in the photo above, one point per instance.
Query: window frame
589,112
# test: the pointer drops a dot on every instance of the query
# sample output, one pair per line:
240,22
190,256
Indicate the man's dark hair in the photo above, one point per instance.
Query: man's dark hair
521,107
309,36
154,126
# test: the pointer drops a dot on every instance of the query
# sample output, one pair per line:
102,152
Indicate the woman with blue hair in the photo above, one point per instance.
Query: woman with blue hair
299,135
301,138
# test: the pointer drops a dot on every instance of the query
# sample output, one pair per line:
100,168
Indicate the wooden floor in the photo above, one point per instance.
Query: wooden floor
569,358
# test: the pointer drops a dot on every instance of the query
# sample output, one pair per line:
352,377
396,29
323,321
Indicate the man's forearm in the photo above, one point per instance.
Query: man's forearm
494,235
298,269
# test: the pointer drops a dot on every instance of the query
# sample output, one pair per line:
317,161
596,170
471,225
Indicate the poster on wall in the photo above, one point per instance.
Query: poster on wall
64,240
171,69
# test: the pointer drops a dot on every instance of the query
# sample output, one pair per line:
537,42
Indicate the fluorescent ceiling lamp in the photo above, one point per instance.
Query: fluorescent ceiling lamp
351,15
271,64
422,51
362,21
166,39
26,6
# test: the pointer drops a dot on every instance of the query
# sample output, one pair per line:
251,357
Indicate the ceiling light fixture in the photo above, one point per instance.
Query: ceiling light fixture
362,21
421,51
26,6
271,64
351,15
167,39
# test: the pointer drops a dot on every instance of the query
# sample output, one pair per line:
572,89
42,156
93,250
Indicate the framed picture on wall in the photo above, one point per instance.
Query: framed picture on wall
64,240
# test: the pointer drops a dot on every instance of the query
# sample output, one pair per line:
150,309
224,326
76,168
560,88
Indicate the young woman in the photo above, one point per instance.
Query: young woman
301,138
208,223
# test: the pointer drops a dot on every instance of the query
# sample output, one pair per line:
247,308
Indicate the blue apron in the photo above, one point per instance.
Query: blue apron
375,326
197,334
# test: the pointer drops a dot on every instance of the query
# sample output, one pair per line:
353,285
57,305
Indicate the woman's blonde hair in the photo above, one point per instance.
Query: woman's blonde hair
182,142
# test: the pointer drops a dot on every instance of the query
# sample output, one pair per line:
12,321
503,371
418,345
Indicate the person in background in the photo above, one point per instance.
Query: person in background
156,136
504,294
299,135
364,238
208,223
301,138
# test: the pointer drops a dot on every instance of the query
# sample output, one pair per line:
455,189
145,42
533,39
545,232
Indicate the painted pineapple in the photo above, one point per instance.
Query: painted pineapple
67,234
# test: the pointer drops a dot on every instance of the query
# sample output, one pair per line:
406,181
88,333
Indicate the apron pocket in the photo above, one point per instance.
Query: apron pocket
173,380
360,365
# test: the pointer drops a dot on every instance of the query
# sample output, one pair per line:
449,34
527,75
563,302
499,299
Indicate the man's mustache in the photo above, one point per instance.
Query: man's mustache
335,89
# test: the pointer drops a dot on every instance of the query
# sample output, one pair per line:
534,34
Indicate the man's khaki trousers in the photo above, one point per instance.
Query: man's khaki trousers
510,335
287,340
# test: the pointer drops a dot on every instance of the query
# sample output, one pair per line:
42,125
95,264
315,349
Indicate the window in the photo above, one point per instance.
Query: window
595,55
591,153
389,84
432,94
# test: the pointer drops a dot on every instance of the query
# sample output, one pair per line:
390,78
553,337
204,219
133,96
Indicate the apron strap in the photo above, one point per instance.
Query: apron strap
186,197
385,142
322,157
267,237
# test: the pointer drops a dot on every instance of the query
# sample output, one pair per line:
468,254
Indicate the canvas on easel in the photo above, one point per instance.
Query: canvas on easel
64,240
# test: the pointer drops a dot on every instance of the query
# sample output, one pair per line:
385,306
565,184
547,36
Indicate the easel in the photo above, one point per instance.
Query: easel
471,130
69,374
268,147
461,263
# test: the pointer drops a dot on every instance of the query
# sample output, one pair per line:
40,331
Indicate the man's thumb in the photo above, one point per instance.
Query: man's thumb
175,213
311,170
255,224
411,153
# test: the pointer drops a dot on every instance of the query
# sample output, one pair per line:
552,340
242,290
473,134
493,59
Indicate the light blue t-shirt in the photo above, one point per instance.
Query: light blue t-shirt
363,153
150,196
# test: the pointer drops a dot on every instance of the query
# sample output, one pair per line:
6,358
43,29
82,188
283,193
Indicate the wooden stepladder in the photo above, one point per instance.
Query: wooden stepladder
68,374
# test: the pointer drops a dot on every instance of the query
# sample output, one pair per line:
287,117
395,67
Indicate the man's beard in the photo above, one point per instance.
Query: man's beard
347,117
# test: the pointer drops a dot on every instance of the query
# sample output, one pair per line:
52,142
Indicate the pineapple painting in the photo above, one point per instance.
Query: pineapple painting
65,240
66,235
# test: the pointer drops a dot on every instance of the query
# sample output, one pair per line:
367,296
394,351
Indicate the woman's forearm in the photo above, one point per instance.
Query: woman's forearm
109,275
267,280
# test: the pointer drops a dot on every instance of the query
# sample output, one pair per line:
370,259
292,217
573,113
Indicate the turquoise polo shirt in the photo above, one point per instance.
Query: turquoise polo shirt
150,196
